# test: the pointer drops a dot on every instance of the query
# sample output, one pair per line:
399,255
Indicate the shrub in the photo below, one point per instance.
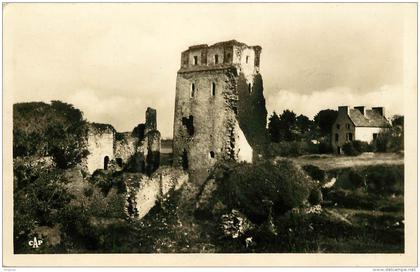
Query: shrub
385,179
315,197
391,140
324,147
292,148
256,189
314,172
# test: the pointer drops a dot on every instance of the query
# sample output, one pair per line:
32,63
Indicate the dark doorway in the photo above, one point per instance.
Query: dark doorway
119,162
338,150
185,160
106,161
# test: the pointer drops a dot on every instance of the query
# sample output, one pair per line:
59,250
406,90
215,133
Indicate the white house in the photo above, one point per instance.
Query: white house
357,124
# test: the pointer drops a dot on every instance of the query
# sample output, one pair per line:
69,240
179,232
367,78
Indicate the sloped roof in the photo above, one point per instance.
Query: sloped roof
370,119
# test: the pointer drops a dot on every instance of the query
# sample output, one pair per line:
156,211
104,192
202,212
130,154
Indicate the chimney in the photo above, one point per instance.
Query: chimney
380,110
343,110
361,109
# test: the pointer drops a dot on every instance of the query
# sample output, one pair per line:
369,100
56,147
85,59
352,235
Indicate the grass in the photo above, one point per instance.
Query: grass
328,162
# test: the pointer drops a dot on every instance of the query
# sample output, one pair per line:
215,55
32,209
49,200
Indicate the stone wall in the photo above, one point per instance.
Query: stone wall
100,146
346,126
143,192
125,148
136,151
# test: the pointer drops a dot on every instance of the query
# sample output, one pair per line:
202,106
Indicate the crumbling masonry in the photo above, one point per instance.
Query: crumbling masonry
136,151
219,106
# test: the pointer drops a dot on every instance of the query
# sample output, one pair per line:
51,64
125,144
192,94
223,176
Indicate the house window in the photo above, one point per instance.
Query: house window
212,154
348,126
336,137
195,60
216,59
350,136
247,59
192,92
338,126
375,135
249,87
213,89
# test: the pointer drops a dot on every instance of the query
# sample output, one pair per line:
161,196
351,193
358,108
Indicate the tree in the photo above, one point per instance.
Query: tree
274,127
398,120
324,120
303,123
287,124
57,129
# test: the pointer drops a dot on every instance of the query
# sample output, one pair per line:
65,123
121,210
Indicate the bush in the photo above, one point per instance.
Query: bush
314,172
324,148
355,148
385,179
390,140
257,189
292,148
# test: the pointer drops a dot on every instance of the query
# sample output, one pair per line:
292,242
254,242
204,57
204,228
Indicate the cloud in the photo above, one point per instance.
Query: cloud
390,97
124,113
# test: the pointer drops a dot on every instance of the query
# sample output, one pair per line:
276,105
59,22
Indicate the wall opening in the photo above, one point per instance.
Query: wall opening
249,87
227,59
106,161
216,59
336,137
119,162
350,136
246,59
375,135
189,124
213,89
192,91
338,150
195,60
212,154
338,126
185,160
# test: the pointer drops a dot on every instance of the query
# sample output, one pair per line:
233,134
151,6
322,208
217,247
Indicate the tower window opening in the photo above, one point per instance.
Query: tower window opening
192,92
195,60
189,124
212,154
213,89
247,59
249,87
227,58
216,59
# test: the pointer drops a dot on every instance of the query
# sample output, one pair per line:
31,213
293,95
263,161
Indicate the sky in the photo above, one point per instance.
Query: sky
113,61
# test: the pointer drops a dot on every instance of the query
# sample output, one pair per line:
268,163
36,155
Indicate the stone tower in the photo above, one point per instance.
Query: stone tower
219,106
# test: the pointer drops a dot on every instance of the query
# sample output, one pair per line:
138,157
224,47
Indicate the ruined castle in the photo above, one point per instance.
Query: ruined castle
136,151
219,105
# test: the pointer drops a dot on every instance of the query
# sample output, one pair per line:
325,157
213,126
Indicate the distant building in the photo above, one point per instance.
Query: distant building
357,124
